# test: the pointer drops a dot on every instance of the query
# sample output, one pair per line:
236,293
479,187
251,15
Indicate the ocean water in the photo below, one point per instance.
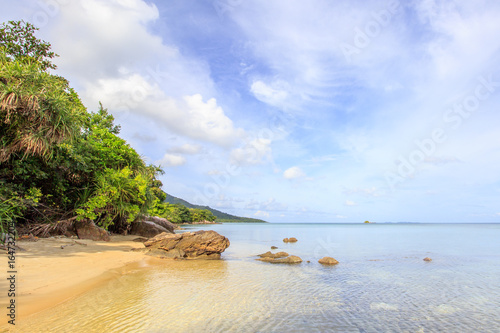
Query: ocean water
380,285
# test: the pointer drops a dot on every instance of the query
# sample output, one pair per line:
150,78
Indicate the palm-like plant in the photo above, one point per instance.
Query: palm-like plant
37,110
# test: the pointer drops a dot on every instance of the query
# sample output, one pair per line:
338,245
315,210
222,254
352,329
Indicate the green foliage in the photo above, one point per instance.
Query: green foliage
120,195
200,215
37,110
19,42
56,159
177,213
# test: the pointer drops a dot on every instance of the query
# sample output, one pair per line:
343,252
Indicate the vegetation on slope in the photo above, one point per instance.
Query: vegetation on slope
221,216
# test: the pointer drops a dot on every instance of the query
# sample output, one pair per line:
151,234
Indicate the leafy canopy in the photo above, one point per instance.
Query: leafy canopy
18,40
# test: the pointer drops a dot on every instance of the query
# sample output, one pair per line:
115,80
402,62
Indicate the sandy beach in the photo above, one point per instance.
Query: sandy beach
54,270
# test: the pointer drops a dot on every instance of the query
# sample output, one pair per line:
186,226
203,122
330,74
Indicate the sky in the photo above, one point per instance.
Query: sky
296,111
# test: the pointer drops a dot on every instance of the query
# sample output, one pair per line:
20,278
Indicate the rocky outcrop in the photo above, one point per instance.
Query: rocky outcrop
147,229
290,240
189,245
328,261
86,229
268,254
152,226
288,260
427,259
163,222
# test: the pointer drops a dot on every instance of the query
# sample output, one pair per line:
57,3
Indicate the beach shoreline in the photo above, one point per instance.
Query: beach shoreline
51,271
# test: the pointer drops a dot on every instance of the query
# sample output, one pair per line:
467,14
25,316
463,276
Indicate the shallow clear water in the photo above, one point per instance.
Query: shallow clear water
381,284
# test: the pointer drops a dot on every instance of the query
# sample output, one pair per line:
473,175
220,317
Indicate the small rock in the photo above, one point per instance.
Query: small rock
427,259
288,260
268,254
328,261
290,240
274,247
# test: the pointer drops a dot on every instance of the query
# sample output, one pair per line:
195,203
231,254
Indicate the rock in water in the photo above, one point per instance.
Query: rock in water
268,254
189,245
290,240
427,259
86,229
288,260
274,247
328,261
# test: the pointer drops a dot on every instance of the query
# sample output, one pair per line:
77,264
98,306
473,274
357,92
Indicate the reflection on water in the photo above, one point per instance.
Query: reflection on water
381,285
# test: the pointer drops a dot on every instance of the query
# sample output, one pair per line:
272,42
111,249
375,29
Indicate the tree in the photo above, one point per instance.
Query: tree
119,197
57,160
201,215
37,110
18,40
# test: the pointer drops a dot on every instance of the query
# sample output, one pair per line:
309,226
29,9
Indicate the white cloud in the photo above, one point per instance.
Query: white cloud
170,160
340,216
260,213
109,47
187,149
269,205
293,173
254,152
275,94
189,116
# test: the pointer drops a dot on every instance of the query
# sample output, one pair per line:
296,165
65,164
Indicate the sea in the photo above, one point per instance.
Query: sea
381,284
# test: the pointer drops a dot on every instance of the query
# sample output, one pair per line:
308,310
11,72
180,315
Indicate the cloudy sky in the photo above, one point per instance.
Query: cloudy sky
297,111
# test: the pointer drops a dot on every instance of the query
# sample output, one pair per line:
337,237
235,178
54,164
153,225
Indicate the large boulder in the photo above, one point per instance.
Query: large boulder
86,229
163,222
189,245
328,261
152,226
147,229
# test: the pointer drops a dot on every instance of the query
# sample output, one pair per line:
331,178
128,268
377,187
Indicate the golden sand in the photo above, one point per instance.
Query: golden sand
53,270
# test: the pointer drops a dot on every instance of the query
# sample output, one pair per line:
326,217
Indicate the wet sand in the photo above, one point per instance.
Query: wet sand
48,275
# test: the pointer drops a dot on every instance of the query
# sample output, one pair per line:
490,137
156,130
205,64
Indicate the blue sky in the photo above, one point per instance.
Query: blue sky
296,111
